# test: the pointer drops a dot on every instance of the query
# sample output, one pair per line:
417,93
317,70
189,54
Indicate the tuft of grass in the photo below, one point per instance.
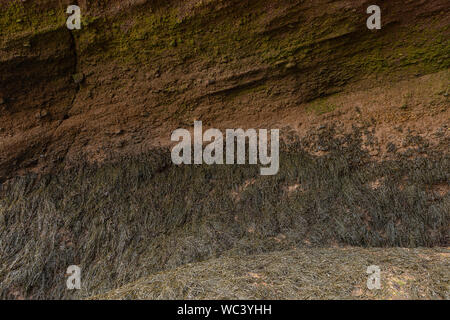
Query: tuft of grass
140,215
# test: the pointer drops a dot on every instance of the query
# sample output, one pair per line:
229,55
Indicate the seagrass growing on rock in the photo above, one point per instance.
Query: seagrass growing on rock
131,218
86,117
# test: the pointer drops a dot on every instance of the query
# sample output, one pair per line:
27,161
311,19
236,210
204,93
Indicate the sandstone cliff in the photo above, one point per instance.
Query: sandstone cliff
86,118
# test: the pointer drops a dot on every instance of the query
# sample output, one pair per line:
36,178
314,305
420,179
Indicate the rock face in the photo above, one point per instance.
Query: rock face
256,59
86,118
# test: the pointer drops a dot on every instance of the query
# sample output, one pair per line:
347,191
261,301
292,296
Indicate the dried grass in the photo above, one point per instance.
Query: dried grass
129,219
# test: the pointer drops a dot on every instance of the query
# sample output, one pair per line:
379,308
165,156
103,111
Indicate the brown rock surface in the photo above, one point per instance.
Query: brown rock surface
261,62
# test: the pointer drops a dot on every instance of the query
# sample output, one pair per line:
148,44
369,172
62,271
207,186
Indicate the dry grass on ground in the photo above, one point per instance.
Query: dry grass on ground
131,219
328,273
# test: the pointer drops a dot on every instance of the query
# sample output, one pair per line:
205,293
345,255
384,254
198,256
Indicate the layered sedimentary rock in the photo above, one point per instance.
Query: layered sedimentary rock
86,118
